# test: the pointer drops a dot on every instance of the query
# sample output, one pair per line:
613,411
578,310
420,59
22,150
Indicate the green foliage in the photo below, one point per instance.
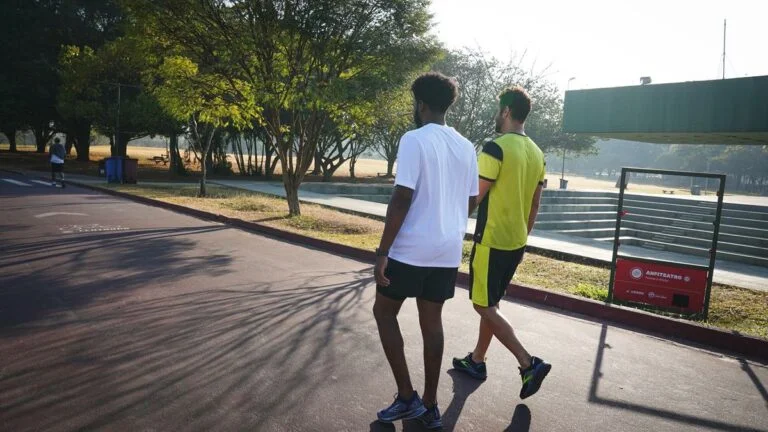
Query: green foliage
482,77
591,291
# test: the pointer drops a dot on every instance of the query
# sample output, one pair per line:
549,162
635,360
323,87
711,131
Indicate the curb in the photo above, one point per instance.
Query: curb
669,328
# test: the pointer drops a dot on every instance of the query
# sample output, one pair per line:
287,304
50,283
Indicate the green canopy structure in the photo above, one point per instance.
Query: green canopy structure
729,111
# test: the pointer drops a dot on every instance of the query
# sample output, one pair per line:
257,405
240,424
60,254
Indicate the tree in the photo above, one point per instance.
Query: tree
204,100
35,32
482,77
303,61
395,118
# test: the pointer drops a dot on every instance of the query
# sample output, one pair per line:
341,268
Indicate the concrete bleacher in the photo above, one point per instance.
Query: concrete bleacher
679,224
665,223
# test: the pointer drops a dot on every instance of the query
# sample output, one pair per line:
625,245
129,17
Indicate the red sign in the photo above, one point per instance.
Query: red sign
662,285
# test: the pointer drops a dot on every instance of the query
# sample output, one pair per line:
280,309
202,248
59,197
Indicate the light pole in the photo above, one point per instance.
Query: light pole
562,175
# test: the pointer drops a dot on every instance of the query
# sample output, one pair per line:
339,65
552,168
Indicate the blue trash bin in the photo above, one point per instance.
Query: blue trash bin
114,167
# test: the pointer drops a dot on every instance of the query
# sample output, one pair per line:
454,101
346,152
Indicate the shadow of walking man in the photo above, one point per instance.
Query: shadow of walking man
521,419
463,386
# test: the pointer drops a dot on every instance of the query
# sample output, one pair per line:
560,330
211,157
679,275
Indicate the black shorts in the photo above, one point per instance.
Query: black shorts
57,168
435,284
490,272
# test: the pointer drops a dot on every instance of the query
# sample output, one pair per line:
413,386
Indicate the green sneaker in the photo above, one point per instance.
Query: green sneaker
470,367
533,377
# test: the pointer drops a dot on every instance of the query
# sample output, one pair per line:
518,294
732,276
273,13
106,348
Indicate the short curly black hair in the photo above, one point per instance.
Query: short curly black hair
436,90
517,100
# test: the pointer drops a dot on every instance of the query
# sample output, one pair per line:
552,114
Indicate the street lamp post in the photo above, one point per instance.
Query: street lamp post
562,174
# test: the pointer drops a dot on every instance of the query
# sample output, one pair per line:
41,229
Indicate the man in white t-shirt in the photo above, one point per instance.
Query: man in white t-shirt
421,247
58,154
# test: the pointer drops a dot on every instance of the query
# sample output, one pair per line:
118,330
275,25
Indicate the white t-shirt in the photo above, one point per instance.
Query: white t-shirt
440,166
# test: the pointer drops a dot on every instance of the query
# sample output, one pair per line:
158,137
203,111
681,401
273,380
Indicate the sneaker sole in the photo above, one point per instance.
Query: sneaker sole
407,416
432,427
537,383
470,372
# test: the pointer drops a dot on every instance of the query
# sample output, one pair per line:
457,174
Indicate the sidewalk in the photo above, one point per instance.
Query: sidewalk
726,272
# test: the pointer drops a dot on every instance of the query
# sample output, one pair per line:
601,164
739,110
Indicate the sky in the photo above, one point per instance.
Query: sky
607,43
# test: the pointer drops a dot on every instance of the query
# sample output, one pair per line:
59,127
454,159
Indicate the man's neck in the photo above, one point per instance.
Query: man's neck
515,129
438,120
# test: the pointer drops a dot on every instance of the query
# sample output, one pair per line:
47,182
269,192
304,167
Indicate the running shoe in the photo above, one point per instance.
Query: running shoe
431,419
402,409
533,377
470,367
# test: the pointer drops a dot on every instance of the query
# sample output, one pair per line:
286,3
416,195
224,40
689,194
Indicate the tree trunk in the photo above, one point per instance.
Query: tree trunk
318,164
121,147
11,134
69,142
352,162
390,167
292,195
176,164
40,141
82,138
203,191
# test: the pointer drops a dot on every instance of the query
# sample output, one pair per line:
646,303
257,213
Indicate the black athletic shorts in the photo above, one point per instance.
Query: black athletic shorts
490,272
57,168
435,284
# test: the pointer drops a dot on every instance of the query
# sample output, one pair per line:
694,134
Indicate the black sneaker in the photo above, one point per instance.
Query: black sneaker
431,419
533,377
469,367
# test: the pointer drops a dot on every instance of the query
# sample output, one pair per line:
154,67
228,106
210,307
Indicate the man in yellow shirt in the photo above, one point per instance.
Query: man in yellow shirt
511,170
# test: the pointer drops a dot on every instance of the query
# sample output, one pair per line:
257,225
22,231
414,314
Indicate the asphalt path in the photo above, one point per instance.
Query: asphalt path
120,316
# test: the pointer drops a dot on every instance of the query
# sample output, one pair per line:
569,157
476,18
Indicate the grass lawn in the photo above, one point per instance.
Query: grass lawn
731,308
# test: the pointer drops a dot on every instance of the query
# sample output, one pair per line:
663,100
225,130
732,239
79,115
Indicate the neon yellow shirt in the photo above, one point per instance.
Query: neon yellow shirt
515,165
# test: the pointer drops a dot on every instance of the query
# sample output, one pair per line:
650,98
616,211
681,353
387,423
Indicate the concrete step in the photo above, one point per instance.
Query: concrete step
557,193
593,233
683,206
577,224
576,208
574,216
690,240
749,215
759,260
586,200
691,223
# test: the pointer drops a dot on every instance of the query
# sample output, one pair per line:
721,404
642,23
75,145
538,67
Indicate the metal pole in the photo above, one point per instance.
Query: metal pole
562,174
724,27
713,250
617,234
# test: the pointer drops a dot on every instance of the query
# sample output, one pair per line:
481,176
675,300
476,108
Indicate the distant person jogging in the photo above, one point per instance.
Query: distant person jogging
58,153
420,250
511,169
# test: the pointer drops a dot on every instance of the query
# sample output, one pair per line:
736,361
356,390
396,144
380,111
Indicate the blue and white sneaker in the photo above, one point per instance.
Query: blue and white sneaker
431,419
402,409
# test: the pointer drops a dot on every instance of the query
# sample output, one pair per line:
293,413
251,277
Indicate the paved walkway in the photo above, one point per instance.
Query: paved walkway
178,324
726,272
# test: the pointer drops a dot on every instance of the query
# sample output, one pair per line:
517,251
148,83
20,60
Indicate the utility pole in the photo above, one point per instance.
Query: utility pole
724,28
562,174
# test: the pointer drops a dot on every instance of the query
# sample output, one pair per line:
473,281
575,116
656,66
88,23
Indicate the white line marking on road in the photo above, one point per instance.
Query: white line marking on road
44,183
45,215
16,182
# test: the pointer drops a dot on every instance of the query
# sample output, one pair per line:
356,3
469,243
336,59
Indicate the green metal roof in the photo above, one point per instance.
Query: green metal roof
731,111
